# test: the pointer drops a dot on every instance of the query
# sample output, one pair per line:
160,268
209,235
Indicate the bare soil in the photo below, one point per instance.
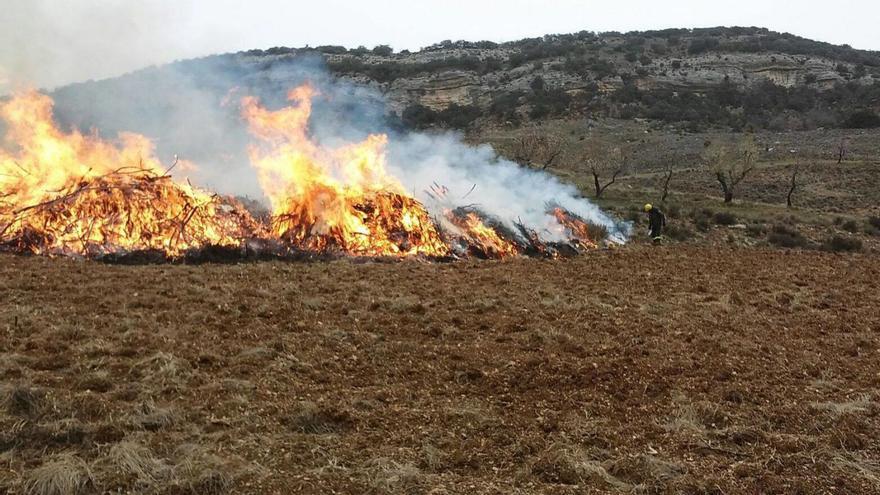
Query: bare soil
680,369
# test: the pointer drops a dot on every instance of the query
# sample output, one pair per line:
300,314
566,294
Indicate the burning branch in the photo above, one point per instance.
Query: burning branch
97,199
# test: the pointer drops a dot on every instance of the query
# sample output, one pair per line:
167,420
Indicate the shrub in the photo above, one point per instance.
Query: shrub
679,232
419,116
787,237
702,45
455,116
851,226
702,219
383,50
862,119
840,243
459,116
703,224
598,232
724,218
64,474
635,216
873,226
673,211
756,229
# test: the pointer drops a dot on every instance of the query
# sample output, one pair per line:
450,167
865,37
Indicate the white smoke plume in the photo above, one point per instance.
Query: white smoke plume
190,109
478,177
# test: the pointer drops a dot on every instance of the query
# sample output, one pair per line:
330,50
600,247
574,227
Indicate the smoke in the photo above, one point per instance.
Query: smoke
478,177
191,109
49,42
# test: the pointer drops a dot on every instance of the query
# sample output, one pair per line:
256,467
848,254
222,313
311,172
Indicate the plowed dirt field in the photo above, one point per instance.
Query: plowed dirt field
654,370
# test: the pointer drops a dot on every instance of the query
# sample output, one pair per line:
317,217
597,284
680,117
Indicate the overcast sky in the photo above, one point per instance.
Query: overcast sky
53,42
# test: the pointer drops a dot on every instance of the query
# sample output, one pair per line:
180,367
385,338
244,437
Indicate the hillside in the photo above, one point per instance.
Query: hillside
719,77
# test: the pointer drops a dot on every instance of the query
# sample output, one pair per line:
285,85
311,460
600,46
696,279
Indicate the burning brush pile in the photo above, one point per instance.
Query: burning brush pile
73,194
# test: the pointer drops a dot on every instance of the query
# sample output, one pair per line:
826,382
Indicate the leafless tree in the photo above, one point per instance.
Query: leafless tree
605,161
538,149
730,164
842,150
793,184
667,177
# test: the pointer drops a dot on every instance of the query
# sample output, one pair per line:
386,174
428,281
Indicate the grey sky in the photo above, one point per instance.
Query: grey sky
52,42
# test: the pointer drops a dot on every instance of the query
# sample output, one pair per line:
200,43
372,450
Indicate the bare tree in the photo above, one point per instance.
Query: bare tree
604,161
667,177
538,149
731,164
793,185
842,150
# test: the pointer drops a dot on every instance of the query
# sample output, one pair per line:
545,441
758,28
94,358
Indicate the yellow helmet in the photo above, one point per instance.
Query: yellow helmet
648,207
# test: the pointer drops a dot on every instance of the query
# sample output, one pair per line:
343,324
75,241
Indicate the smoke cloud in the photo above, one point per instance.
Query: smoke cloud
191,109
49,43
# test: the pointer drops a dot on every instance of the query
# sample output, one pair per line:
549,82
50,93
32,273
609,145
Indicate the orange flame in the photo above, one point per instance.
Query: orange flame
576,229
69,193
482,237
76,194
340,199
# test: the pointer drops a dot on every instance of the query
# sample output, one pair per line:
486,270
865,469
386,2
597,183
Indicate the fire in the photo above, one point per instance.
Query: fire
575,227
69,193
334,199
482,239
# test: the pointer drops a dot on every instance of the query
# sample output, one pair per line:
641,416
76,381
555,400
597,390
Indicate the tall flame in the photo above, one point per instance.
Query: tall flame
327,198
70,193
77,194
482,238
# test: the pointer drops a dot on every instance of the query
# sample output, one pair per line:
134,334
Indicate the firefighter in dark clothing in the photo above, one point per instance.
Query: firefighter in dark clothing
656,222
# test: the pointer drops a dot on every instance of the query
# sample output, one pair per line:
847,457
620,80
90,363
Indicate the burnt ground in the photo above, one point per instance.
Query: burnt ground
682,369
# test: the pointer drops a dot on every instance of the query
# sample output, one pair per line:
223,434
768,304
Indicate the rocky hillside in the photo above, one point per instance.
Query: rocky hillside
718,77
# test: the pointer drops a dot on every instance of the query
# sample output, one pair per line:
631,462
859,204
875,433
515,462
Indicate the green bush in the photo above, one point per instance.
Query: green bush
862,119
455,116
787,237
383,51
702,45
840,243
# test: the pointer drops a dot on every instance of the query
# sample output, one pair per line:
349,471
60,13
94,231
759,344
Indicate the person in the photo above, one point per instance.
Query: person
656,223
